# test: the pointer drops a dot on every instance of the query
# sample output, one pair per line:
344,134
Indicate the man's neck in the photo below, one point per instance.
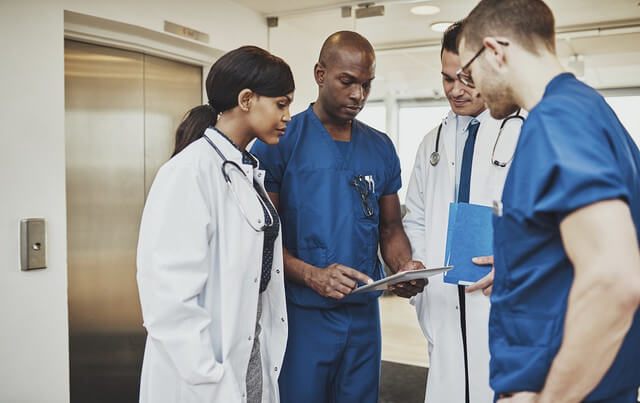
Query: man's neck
479,113
536,71
338,129
472,116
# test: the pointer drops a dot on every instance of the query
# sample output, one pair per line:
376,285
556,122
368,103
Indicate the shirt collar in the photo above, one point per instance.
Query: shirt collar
463,121
247,157
472,119
558,80
229,149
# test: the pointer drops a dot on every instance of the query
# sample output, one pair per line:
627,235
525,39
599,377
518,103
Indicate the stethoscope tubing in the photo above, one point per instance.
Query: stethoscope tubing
434,158
227,179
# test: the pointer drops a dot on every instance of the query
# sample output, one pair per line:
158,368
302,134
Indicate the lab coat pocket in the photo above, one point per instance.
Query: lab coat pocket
226,389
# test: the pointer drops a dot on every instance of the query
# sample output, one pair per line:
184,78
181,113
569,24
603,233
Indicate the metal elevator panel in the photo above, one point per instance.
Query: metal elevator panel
113,98
169,92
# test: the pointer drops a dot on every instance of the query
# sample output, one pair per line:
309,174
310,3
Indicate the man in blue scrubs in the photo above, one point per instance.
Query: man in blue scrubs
564,323
334,181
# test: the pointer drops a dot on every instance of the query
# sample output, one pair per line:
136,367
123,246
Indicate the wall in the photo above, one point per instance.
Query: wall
298,39
33,305
229,25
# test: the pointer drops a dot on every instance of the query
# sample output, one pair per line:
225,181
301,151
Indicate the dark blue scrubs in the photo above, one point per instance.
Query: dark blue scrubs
573,151
333,350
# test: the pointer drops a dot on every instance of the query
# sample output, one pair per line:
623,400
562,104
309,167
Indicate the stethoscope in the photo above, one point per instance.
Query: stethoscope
435,156
225,165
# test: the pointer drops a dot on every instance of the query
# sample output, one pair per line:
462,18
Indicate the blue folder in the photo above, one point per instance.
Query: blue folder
470,234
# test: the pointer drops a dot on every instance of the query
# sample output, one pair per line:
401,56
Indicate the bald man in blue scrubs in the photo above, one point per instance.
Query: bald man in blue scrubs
334,180
564,323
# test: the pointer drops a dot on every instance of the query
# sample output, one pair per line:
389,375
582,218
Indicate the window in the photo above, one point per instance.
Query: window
375,115
627,108
414,122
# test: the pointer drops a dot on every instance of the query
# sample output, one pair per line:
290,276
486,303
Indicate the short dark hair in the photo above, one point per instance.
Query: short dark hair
450,38
246,67
528,21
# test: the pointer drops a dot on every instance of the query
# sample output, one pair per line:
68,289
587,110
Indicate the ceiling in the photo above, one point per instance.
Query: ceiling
567,12
408,62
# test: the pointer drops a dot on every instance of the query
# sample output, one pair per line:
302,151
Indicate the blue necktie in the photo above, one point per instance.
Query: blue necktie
463,197
467,160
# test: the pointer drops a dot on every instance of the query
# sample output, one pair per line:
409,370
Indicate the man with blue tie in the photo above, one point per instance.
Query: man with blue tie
455,162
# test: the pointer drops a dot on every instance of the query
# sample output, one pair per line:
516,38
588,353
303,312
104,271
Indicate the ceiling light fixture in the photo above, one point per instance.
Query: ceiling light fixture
366,10
440,26
425,10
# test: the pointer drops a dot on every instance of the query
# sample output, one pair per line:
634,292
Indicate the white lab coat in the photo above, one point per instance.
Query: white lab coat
199,268
430,191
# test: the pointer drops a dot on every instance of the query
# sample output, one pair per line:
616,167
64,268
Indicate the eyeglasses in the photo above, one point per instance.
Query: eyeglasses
465,77
364,186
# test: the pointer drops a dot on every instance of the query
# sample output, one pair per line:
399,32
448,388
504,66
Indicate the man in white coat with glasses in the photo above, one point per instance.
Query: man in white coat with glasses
464,159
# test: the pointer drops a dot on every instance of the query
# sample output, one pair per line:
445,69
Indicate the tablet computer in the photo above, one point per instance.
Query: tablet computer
401,277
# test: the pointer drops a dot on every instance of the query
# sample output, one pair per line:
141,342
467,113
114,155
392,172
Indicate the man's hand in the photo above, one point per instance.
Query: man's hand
336,280
409,288
520,397
485,283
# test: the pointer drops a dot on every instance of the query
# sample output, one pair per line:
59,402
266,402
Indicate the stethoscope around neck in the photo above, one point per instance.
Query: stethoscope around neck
227,164
434,159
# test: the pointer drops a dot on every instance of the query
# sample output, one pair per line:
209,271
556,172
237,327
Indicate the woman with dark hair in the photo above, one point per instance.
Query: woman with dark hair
210,251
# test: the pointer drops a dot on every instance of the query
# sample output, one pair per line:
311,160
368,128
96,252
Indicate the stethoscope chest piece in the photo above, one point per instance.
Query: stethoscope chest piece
434,158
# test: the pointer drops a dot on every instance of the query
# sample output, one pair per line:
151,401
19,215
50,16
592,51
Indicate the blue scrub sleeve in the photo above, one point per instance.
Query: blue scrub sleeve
272,162
577,163
394,181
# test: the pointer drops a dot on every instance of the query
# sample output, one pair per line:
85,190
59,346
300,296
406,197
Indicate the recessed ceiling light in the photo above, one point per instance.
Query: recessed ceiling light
440,26
425,10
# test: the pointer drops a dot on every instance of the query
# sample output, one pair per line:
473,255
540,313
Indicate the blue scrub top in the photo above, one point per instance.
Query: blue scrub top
323,220
572,151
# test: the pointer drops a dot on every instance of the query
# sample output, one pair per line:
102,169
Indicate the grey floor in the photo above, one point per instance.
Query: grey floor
400,383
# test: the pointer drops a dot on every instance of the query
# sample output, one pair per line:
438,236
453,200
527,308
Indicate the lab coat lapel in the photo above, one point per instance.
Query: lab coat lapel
448,140
229,151
487,179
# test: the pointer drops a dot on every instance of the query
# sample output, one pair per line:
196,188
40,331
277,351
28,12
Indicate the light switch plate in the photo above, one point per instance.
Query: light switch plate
33,248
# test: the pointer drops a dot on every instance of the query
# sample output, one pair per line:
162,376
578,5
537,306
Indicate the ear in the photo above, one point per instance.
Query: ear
245,99
496,53
319,73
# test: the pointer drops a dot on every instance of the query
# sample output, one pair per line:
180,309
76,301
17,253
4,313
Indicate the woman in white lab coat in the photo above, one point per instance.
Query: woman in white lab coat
209,255
431,188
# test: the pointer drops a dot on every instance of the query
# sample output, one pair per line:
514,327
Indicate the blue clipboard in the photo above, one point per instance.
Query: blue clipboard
469,234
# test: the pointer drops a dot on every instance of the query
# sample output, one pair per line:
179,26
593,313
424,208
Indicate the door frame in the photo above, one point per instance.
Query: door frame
120,35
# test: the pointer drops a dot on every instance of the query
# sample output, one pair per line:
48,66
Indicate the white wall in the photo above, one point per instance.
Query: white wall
298,39
228,24
33,305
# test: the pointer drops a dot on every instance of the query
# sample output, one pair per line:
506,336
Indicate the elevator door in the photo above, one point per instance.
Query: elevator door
121,112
